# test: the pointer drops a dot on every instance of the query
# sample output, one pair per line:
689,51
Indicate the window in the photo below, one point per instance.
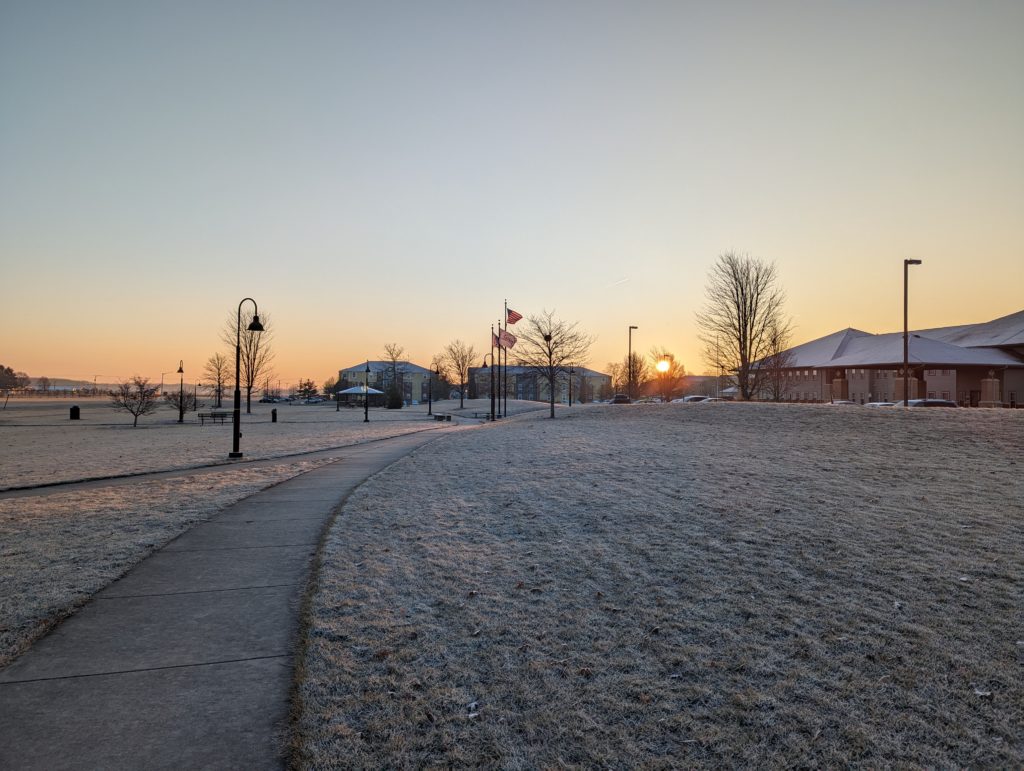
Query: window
945,394
931,394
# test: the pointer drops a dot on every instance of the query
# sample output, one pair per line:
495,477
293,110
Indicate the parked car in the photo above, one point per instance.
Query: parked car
621,399
880,404
843,401
928,403
708,399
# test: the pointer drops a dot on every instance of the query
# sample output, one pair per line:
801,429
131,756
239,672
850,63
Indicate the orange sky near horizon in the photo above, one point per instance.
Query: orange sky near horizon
377,174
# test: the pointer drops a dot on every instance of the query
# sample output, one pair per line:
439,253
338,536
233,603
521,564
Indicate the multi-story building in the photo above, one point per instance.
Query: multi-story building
972,364
525,383
412,379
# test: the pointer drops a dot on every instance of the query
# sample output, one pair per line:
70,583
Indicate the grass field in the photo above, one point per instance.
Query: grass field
675,586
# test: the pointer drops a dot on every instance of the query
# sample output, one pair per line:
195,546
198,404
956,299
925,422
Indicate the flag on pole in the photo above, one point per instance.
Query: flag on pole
506,339
494,339
511,317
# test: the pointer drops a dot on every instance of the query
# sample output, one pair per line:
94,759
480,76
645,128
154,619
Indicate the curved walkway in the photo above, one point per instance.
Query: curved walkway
187,660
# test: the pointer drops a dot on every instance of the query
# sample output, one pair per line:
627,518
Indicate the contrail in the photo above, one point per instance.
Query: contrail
619,282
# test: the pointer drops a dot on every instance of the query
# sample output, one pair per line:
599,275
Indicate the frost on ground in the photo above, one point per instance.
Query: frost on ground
58,549
39,444
679,585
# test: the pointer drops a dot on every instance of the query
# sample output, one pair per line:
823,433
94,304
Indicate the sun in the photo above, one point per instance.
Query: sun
662,366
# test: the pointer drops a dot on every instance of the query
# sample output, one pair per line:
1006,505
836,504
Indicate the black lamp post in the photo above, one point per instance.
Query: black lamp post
629,364
236,418
430,393
181,391
195,396
906,352
366,396
570,385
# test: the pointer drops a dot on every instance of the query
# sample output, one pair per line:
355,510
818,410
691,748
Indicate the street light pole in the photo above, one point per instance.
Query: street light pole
629,364
430,393
366,395
906,348
236,417
181,391
570,385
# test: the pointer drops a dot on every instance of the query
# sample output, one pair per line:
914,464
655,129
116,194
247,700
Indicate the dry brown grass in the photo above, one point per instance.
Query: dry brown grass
677,586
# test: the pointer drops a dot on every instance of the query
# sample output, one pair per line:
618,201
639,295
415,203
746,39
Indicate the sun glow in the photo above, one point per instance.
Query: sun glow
662,366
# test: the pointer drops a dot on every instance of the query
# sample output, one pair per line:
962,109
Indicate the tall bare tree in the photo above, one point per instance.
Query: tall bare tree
743,306
256,352
458,358
628,379
547,346
44,384
217,371
669,376
393,353
136,397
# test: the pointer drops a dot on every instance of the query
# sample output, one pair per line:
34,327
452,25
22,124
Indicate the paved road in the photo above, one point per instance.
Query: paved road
188,660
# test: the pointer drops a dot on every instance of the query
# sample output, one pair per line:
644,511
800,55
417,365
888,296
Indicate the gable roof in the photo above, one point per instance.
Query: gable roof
1004,331
820,352
887,350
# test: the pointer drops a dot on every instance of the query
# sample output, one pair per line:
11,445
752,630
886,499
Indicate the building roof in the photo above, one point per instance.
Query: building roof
887,350
380,366
1002,332
975,345
818,353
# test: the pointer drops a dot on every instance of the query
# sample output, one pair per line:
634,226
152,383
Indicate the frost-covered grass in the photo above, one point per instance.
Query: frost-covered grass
675,586
58,549
39,444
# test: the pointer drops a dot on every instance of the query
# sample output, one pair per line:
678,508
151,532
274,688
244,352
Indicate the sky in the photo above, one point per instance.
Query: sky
387,172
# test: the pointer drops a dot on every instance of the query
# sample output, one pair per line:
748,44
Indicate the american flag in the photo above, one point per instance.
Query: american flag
511,316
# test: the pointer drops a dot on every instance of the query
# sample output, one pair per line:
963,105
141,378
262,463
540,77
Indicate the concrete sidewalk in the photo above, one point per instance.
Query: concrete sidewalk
188,660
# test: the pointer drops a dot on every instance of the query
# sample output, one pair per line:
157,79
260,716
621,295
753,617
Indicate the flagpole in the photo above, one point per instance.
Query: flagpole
492,371
505,383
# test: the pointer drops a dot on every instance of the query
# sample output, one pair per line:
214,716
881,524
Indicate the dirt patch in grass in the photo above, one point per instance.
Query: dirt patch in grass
667,586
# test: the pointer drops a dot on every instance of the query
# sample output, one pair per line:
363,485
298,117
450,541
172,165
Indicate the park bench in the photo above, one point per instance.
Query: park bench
443,417
216,417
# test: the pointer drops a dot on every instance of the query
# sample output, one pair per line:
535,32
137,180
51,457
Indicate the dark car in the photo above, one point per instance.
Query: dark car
620,399
933,403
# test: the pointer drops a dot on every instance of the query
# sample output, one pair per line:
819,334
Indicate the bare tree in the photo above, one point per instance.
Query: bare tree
256,353
218,371
458,358
628,379
548,345
44,384
776,364
136,397
183,401
393,353
669,375
744,304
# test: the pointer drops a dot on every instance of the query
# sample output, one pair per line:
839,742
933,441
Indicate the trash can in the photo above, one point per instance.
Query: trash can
273,415
75,413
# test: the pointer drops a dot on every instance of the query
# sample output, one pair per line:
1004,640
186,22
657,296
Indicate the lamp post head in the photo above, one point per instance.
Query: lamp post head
633,327
181,366
911,262
255,325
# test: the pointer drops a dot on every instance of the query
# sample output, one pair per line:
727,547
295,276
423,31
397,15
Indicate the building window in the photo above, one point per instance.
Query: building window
931,394
945,394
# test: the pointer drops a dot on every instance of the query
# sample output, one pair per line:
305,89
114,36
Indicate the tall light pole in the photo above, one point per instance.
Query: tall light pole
430,392
906,349
629,364
366,395
181,391
570,385
236,417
